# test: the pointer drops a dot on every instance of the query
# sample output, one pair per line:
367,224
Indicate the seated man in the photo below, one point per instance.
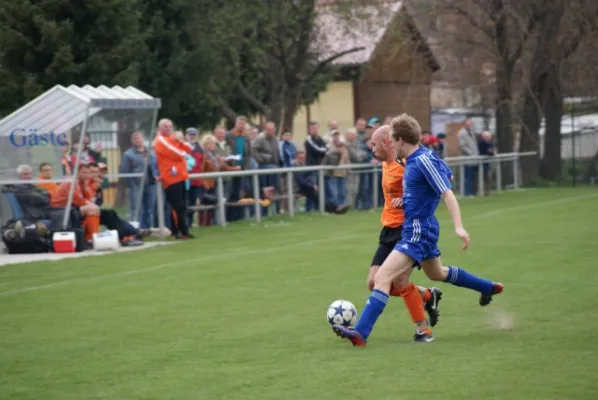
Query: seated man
34,201
46,173
128,235
309,189
82,201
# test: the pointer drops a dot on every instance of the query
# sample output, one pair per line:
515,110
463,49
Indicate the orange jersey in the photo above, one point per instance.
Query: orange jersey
50,187
392,185
171,159
80,196
93,185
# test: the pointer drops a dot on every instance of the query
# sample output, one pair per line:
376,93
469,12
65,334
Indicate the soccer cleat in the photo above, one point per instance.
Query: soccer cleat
349,333
423,336
485,299
431,306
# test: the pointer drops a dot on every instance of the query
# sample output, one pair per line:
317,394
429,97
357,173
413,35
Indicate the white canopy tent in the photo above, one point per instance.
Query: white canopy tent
44,129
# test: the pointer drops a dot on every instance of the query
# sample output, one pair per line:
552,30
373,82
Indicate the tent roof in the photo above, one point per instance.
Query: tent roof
61,108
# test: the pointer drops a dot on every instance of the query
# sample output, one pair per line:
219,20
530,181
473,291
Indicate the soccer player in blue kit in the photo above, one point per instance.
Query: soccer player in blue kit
425,182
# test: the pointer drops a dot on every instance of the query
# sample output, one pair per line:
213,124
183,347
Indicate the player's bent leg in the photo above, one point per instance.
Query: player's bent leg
459,277
413,302
371,275
394,265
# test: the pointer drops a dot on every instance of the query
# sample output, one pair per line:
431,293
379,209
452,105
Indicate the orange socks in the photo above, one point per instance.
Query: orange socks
415,306
91,225
425,293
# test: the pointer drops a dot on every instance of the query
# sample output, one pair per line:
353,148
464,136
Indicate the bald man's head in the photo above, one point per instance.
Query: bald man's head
382,145
165,126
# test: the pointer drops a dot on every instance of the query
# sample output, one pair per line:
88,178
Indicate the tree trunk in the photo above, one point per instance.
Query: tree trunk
553,107
504,119
291,105
529,139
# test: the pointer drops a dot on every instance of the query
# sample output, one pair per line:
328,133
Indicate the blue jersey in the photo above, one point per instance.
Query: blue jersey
426,178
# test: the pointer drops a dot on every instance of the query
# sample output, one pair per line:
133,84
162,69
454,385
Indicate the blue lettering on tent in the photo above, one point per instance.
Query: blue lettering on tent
20,137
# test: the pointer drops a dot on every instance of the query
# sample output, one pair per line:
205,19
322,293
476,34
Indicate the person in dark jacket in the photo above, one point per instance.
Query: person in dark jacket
315,151
240,146
308,188
266,152
34,201
195,191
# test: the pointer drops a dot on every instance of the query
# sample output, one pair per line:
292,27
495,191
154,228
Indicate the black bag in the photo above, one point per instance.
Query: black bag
30,243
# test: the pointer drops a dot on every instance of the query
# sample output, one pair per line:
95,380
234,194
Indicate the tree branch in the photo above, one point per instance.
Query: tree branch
322,64
251,99
225,108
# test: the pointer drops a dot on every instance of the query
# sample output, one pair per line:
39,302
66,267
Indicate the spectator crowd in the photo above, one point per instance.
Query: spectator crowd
174,155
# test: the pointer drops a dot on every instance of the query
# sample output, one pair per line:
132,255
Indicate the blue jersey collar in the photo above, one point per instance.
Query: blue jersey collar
420,150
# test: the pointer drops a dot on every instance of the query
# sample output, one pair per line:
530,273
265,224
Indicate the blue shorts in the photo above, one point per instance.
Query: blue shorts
420,239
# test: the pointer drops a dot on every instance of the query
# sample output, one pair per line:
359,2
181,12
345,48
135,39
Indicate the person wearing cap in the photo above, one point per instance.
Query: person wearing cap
374,122
441,145
133,162
195,191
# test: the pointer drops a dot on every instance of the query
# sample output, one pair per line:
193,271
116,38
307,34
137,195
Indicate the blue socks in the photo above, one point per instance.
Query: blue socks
459,277
372,310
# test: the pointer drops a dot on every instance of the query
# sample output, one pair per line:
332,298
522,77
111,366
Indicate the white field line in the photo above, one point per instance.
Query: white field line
240,254
272,249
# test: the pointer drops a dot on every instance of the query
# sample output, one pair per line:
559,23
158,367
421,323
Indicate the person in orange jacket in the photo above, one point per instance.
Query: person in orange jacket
171,150
82,200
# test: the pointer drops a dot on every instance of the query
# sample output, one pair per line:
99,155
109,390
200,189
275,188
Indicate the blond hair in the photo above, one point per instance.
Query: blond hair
208,138
407,128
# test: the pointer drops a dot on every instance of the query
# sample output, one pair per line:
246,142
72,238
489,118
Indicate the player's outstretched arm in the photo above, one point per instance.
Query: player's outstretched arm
453,207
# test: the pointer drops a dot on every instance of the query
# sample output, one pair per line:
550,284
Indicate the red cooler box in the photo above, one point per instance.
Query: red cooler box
64,242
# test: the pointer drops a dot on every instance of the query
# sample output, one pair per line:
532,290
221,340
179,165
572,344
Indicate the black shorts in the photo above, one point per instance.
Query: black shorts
389,237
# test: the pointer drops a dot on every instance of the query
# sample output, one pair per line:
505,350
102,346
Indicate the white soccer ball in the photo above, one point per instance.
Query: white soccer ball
342,312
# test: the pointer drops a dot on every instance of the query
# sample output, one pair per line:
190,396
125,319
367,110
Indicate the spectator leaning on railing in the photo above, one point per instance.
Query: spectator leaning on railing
486,148
288,158
171,155
195,191
288,150
337,178
357,156
364,199
212,162
134,162
315,150
307,187
267,154
240,146
468,145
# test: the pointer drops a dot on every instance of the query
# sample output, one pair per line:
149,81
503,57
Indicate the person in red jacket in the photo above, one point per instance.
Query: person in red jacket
195,190
171,151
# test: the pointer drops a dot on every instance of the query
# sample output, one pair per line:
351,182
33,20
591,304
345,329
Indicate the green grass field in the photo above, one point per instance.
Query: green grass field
239,313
